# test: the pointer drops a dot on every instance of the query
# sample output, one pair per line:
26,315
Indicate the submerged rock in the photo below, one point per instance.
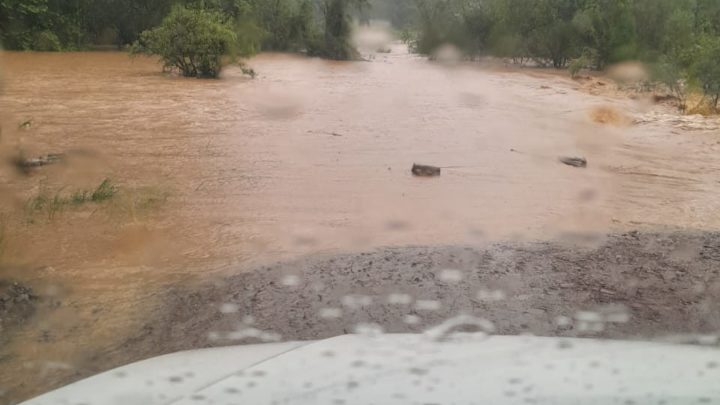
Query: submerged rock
425,170
573,161
26,165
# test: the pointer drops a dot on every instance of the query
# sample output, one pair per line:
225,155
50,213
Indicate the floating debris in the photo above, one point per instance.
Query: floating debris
574,161
26,165
26,124
425,170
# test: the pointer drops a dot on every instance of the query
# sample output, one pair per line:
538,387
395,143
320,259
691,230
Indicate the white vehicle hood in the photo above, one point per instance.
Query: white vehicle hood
412,369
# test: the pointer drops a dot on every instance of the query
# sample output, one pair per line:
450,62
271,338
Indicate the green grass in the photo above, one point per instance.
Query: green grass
3,234
54,205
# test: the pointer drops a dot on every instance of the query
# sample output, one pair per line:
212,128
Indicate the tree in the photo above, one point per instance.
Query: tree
192,40
707,69
608,29
24,25
337,30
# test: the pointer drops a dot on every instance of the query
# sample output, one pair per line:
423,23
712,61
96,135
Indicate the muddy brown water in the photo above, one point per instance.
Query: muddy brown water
312,157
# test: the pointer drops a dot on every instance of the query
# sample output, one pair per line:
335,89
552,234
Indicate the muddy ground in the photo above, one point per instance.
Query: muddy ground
632,285
667,284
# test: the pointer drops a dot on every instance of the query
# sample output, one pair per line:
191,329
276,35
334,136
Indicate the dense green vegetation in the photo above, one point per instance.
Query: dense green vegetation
319,26
680,38
193,41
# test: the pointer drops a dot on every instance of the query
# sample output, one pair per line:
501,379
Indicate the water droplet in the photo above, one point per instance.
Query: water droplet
229,308
418,371
428,305
411,319
563,321
400,299
491,295
290,280
330,313
588,316
451,275
356,301
368,329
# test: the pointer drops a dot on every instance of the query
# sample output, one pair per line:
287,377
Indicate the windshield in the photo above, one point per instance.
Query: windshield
186,174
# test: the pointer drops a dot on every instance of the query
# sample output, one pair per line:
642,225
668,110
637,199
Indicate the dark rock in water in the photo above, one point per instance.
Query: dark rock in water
17,303
574,161
26,165
425,171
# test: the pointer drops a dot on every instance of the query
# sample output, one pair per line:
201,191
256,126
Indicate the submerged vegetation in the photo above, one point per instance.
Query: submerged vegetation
125,202
193,41
51,205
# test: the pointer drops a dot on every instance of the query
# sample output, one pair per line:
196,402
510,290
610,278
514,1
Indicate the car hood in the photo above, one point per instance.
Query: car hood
409,369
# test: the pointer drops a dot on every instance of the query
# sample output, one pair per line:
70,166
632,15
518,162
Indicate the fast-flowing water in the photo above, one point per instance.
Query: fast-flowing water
311,156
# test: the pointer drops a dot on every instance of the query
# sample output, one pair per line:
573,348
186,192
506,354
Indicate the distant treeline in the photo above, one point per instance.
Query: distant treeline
679,39
557,31
57,25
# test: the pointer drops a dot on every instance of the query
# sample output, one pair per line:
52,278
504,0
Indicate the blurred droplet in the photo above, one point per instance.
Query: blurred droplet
411,319
356,301
400,299
368,329
427,305
451,275
228,308
330,313
588,316
563,321
290,280
491,295
447,54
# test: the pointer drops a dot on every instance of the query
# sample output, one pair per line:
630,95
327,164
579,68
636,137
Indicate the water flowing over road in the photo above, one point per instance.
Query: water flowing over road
310,157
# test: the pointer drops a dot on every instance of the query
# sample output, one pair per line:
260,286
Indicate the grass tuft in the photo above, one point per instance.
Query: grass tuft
57,203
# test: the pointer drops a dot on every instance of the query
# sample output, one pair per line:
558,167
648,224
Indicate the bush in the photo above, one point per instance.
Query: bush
46,41
193,41
707,69
669,73
576,65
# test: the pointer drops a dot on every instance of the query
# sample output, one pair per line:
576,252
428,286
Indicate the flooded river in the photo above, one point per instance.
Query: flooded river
215,177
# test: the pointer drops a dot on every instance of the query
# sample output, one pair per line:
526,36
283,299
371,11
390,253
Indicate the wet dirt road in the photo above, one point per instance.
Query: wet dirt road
217,177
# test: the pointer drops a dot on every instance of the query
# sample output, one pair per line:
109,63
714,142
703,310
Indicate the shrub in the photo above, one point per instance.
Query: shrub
46,41
193,41
576,65
670,74
707,69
